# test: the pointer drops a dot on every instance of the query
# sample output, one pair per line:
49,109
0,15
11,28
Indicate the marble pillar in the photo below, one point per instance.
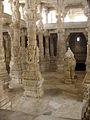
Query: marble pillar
46,11
51,46
46,45
41,48
87,77
40,35
60,51
7,45
3,72
61,38
15,63
23,49
41,51
47,56
32,78
53,65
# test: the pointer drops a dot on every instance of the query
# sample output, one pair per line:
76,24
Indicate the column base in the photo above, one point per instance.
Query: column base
33,93
14,83
68,81
53,65
42,66
32,83
45,65
60,69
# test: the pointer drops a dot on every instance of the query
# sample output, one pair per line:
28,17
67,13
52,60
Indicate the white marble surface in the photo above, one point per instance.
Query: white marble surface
62,105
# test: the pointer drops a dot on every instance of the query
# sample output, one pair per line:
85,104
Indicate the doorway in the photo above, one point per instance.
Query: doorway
78,45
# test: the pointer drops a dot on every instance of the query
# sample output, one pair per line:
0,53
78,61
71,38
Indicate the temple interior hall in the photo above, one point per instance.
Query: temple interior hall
44,59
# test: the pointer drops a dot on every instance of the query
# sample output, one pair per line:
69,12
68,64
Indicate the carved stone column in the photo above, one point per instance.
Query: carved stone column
87,77
3,72
46,45
32,78
41,48
53,65
47,56
60,50
15,64
46,11
23,49
7,46
61,38
51,46
40,34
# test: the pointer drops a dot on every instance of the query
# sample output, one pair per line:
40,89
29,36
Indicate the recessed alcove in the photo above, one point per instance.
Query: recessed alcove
78,45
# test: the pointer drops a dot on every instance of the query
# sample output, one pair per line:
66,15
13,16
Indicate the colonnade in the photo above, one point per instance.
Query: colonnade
24,64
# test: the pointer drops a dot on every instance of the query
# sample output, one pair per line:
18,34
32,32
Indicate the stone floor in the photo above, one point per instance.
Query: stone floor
60,102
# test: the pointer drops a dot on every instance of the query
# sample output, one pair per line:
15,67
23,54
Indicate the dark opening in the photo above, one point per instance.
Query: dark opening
49,45
78,45
44,44
54,41
26,41
37,38
80,67
55,44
